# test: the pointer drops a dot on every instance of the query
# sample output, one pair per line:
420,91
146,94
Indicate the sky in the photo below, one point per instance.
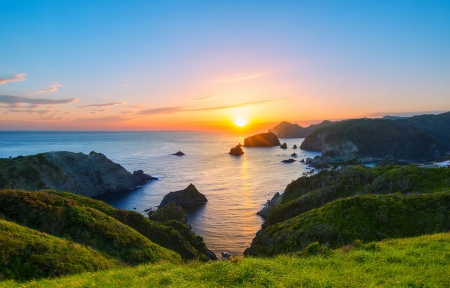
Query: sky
202,65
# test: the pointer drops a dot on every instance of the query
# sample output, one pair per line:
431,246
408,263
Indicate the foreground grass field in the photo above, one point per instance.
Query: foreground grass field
411,262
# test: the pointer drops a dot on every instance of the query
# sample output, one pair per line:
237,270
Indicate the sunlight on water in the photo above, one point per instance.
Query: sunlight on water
236,187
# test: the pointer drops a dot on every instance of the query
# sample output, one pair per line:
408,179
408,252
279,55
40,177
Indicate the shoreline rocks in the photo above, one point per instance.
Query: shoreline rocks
288,160
179,153
283,146
272,203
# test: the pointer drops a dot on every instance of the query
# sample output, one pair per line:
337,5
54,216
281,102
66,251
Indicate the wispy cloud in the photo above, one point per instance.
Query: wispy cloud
53,88
205,98
174,109
162,110
13,78
101,105
13,100
240,78
97,111
231,106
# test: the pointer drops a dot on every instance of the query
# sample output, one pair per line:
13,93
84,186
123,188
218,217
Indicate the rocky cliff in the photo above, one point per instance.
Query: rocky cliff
420,138
289,130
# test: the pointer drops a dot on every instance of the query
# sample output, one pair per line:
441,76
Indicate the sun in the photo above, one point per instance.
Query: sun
241,122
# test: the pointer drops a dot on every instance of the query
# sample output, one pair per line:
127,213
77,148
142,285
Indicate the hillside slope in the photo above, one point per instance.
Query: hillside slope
27,254
64,217
368,218
411,262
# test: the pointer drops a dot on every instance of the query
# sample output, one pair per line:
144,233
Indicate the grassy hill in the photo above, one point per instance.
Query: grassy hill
411,262
368,218
307,193
27,253
64,217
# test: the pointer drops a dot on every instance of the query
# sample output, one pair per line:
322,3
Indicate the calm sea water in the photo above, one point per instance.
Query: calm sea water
236,187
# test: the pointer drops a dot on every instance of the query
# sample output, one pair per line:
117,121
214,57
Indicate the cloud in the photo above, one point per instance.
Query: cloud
53,88
163,110
13,78
101,105
174,109
14,100
204,98
240,79
98,111
231,106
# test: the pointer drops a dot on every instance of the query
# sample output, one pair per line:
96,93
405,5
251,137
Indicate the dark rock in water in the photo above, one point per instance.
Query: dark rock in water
210,254
185,198
295,146
283,146
143,177
87,175
288,161
179,153
294,155
262,140
308,160
303,160
274,202
237,151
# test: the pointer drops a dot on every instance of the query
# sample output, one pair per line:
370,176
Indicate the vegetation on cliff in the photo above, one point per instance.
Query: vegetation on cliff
307,193
27,254
368,218
412,262
418,138
64,217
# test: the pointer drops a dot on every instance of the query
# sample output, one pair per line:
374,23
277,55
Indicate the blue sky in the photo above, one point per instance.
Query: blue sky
143,64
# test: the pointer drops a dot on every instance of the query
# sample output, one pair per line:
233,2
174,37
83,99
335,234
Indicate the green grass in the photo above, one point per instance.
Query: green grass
69,219
172,235
369,218
26,253
307,193
411,262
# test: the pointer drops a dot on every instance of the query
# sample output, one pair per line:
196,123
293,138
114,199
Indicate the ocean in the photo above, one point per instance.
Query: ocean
236,187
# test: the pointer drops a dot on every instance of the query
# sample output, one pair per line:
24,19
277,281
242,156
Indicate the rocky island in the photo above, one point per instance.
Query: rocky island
262,140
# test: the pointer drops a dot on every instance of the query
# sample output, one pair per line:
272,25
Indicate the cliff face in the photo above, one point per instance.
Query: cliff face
419,138
262,140
87,175
289,130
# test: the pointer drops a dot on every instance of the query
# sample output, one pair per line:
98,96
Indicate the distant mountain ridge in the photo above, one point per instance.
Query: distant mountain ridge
419,138
289,130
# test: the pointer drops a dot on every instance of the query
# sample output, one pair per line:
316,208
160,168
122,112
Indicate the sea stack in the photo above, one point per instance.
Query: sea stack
236,151
184,198
262,140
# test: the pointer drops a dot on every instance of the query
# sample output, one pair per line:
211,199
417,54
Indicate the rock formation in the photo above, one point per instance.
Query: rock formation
237,151
179,153
262,140
89,175
288,161
184,198
283,146
295,146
